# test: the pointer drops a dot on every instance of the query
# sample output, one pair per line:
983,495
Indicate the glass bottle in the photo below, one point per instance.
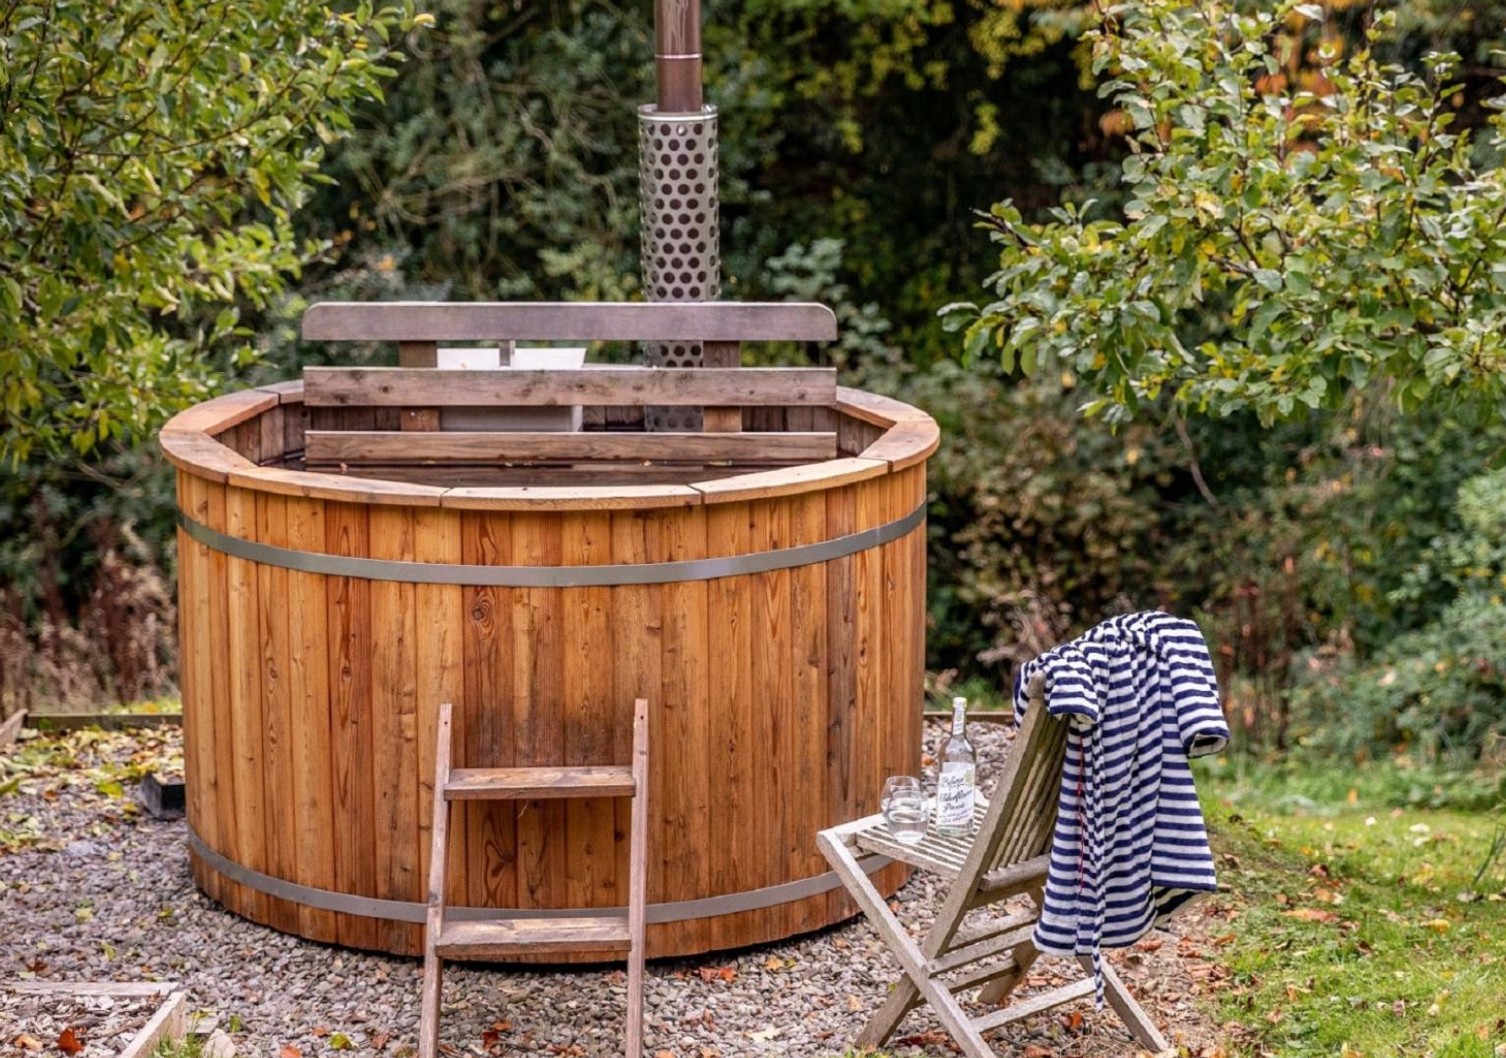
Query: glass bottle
957,784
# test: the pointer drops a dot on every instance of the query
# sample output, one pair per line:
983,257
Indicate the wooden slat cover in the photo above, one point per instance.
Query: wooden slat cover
497,940
427,321
426,387
522,784
369,446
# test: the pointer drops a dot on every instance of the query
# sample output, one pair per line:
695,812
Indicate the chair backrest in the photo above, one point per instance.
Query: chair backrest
1022,813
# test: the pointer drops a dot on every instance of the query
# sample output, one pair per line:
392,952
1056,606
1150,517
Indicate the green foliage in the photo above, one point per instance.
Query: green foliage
505,153
151,158
1472,558
1287,239
1439,690
87,614
1039,527
1038,524
503,163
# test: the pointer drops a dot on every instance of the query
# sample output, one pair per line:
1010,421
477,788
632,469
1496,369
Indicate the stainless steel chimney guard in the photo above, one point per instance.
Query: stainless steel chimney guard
681,249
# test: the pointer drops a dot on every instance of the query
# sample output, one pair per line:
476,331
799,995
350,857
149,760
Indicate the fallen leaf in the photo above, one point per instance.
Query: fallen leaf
854,1004
1437,925
320,1031
68,1042
765,1035
1034,1051
289,1051
1312,914
339,1041
664,1054
1149,944
379,1041
27,1043
1074,1021
772,963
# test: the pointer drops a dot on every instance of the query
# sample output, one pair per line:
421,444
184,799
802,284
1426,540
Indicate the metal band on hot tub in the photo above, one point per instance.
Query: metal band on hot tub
551,576
407,911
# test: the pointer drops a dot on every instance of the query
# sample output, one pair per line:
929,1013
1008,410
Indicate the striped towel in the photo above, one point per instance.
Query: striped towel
1129,846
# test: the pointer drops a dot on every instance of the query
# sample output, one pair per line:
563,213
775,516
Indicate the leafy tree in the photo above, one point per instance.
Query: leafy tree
1289,235
152,153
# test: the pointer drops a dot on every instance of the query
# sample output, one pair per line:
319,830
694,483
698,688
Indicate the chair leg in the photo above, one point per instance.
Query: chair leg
1129,1010
904,998
898,940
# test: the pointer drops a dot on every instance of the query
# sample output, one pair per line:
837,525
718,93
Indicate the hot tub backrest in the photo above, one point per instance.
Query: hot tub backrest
366,417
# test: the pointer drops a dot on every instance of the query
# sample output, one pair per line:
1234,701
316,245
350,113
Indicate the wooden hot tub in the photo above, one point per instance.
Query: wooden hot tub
773,616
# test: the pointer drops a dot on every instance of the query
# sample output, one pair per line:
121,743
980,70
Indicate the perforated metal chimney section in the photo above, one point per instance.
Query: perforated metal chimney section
678,204
677,191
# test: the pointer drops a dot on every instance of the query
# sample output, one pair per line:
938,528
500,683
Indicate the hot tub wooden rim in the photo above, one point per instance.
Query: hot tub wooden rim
599,575
189,442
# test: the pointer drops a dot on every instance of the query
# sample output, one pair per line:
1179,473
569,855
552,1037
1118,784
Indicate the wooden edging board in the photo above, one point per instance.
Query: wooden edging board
169,1022
107,721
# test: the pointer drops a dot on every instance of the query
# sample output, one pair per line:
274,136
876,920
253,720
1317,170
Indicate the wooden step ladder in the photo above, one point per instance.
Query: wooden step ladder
499,939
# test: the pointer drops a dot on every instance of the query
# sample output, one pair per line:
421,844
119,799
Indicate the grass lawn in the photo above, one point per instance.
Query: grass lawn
1367,912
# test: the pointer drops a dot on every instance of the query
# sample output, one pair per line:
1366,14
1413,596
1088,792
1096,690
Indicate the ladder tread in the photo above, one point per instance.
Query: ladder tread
520,784
500,938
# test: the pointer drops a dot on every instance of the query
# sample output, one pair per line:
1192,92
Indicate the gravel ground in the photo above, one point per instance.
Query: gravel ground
92,888
83,1026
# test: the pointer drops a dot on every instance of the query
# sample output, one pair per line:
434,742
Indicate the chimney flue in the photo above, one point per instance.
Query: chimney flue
677,55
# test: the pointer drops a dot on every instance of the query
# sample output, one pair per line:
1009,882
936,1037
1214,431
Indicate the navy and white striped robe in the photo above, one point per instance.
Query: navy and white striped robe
1129,846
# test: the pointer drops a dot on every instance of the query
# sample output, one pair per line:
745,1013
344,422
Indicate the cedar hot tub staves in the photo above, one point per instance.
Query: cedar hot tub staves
346,565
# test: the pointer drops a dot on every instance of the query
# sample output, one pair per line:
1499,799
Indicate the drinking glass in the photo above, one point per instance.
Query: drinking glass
905,809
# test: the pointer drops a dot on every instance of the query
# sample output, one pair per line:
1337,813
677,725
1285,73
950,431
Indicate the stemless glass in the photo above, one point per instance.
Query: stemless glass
905,809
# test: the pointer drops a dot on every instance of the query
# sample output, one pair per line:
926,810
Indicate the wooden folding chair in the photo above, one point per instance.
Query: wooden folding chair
1007,858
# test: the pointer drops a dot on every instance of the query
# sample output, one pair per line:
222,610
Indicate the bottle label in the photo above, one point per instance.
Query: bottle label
954,797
